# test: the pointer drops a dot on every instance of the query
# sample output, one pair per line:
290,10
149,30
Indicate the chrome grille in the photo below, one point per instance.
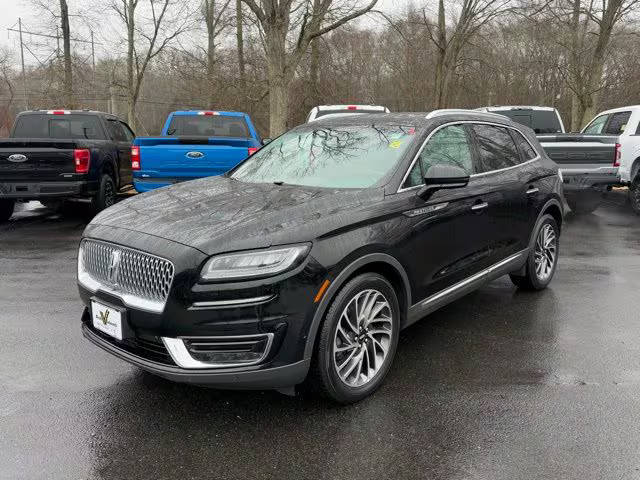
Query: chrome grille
127,272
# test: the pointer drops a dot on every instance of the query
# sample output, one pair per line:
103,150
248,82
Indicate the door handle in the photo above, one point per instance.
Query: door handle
479,206
532,190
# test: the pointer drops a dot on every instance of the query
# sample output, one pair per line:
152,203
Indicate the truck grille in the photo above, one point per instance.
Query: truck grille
127,273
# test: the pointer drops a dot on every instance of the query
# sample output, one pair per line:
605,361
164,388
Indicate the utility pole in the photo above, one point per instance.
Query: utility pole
24,77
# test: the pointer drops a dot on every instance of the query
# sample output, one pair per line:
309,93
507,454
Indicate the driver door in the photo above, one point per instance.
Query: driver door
450,231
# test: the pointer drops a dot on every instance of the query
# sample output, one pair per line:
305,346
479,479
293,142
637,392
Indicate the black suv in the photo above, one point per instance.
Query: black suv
306,260
57,155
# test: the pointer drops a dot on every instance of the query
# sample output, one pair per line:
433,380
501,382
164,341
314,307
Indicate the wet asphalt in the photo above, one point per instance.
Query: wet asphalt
499,385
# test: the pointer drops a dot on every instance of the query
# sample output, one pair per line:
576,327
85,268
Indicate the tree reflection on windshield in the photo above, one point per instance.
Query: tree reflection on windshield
338,157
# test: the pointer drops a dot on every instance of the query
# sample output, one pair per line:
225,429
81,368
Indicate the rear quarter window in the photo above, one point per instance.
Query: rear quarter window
496,148
617,123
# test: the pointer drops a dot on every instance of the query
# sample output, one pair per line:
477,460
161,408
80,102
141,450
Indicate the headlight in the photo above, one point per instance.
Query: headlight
257,263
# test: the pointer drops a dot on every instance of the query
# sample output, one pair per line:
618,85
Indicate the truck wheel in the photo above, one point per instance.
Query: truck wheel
543,257
6,209
357,340
584,204
106,195
634,194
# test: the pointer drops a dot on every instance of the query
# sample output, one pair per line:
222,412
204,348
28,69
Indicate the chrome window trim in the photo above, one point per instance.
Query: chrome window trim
460,122
182,357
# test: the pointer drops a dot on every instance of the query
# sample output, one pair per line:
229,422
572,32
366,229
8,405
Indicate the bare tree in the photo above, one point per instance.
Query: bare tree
592,26
213,16
304,20
450,40
144,43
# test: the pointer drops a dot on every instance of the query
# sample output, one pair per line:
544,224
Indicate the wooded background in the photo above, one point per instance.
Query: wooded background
276,59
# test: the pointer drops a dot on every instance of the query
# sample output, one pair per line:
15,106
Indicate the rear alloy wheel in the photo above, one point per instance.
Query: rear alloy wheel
358,340
6,209
634,194
543,257
106,195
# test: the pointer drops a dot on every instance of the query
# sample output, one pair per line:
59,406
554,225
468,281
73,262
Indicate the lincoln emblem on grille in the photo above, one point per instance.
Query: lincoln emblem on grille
114,268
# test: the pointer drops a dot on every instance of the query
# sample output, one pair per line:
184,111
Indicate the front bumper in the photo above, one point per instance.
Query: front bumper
37,190
236,378
599,179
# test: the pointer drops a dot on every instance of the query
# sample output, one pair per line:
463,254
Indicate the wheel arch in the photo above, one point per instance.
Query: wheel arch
109,166
381,263
553,208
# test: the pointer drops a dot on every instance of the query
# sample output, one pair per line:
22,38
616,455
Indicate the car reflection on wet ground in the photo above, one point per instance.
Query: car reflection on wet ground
501,384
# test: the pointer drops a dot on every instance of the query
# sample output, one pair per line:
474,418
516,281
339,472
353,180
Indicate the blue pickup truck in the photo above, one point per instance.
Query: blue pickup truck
193,144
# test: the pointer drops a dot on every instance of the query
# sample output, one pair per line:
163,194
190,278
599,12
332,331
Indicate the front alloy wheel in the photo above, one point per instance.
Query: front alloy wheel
357,339
362,338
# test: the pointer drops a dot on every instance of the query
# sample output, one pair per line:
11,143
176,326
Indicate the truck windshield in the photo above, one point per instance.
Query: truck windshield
58,126
332,157
208,126
540,121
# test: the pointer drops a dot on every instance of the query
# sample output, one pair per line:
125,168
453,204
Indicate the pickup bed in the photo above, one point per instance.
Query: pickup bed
193,144
588,164
58,155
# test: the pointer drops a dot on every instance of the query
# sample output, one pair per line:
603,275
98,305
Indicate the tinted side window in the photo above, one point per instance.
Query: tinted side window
128,133
617,123
495,147
115,130
528,153
596,126
448,146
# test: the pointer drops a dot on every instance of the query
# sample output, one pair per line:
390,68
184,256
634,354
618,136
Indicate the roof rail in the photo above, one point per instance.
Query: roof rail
447,111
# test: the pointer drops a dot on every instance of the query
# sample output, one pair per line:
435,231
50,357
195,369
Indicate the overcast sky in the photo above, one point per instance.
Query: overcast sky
12,9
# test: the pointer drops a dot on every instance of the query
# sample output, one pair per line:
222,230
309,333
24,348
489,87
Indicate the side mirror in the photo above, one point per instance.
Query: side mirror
265,141
440,177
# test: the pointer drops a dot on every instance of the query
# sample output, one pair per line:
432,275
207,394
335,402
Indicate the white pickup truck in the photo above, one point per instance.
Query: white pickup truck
623,122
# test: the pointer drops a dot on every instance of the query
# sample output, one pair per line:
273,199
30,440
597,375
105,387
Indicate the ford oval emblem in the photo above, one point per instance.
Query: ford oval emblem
17,158
195,154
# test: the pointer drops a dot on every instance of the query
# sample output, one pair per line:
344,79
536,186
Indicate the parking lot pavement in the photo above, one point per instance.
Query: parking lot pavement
499,385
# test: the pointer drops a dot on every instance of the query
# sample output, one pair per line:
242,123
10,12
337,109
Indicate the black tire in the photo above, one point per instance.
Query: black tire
324,377
106,195
6,209
584,204
634,195
531,280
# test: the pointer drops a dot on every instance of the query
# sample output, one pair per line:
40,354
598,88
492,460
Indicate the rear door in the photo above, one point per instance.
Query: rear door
504,187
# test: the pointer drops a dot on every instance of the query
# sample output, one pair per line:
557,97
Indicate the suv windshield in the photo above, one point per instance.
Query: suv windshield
333,157
540,121
208,126
58,126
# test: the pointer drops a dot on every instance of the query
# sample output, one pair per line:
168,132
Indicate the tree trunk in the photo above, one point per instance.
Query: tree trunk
209,11
66,38
442,45
240,45
131,100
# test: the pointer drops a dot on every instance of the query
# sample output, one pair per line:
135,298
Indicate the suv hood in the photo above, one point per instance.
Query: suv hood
219,214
